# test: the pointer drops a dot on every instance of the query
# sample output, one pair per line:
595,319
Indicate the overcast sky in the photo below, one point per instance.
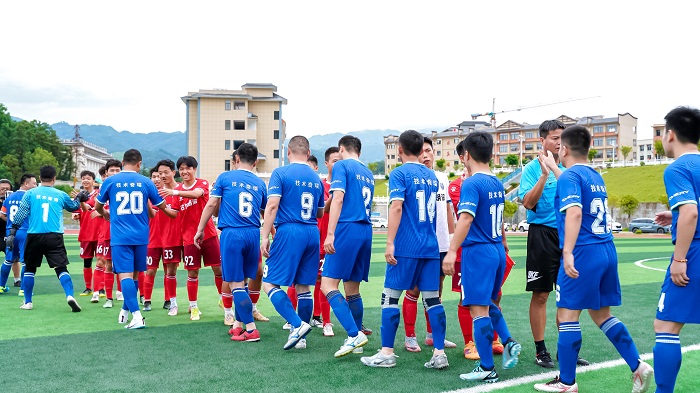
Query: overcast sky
348,66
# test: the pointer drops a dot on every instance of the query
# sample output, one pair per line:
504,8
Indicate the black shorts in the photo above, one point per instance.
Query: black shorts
543,258
49,245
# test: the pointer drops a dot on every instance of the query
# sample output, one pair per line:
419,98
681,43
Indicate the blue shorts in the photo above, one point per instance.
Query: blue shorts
353,252
483,265
293,256
597,285
411,272
17,253
240,251
679,304
127,259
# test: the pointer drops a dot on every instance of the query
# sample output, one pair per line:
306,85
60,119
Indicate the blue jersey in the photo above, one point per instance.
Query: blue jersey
11,206
127,193
682,181
43,205
482,196
353,178
242,195
582,186
543,213
415,185
300,191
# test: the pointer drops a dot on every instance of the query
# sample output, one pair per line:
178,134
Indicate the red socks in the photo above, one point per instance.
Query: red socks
148,282
227,298
87,275
465,323
192,288
98,279
410,311
218,280
109,284
254,296
171,286
292,293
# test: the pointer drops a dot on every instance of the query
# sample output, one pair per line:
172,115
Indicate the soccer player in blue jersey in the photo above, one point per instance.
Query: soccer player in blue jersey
680,291
588,278
15,253
479,232
348,256
295,201
128,194
412,254
238,196
42,206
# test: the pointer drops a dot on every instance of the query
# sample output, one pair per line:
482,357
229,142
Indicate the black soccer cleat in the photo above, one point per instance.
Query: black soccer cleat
166,305
544,359
18,283
582,362
146,306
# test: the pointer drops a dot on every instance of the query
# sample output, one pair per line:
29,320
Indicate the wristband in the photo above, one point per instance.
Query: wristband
176,192
680,260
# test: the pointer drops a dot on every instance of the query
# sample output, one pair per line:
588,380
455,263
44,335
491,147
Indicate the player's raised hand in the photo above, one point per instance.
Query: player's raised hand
448,263
165,192
95,214
328,246
389,254
198,237
265,246
542,159
663,218
679,274
75,216
569,268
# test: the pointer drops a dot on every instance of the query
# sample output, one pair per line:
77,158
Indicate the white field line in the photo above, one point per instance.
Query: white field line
640,263
531,379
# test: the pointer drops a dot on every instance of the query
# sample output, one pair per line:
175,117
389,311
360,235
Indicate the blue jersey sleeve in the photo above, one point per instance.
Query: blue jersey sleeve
153,196
103,195
397,186
275,186
70,204
529,178
318,189
25,208
263,202
468,197
569,191
339,181
679,187
217,190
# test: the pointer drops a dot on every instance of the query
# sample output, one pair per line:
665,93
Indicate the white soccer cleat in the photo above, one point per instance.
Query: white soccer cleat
479,374
136,324
438,362
316,323
358,351
95,297
27,306
120,296
641,378
229,319
379,360
195,313
123,316
301,344
287,326
108,304
556,385
328,330
172,311
351,343
297,334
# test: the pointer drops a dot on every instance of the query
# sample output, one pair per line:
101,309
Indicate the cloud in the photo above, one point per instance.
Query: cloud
17,93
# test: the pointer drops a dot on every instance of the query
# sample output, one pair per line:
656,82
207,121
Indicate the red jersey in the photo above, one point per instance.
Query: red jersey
453,191
155,230
88,225
104,234
171,228
323,221
191,212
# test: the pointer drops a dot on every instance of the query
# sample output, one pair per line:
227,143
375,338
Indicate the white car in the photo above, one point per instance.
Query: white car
523,226
616,227
378,222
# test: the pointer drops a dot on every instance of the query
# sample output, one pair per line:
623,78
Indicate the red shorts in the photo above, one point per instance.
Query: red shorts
104,250
457,278
87,249
169,255
509,266
210,253
320,264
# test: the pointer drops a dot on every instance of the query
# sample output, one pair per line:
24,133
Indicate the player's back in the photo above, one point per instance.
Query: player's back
11,206
357,182
417,187
300,191
682,181
482,196
47,204
242,195
583,186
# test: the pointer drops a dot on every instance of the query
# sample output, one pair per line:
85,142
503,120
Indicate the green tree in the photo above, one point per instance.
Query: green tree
625,150
373,166
11,163
659,148
510,209
440,164
458,167
37,159
628,205
512,159
591,154
663,198
613,203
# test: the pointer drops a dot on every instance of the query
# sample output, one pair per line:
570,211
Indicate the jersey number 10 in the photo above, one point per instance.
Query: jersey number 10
422,206
496,220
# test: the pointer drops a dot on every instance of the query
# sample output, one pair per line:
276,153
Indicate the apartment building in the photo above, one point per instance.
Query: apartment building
220,120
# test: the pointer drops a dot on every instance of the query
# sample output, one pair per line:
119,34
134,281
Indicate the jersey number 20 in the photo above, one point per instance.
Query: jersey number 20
129,202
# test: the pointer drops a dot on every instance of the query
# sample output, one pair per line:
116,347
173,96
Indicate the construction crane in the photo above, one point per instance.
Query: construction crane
493,112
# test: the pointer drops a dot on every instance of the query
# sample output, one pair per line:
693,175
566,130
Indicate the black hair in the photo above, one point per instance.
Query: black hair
298,145
411,142
351,143
329,151
550,125
428,141
153,170
685,123
312,158
132,157
479,145
247,153
233,155
47,173
26,177
166,162
112,163
5,181
577,139
103,170
187,160
84,173
460,148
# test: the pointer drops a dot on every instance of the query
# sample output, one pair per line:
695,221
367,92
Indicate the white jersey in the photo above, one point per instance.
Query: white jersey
443,234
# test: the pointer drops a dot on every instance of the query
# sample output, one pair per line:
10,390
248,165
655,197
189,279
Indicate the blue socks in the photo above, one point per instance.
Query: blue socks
619,336
66,283
667,361
22,275
283,306
390,324
568,347
129,292
436,315
343,312
243,304
499,323
5,273
28,284
305,306
357,309
483,338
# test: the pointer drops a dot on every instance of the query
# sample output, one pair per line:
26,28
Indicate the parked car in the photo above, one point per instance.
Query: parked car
523,226
648,225
616,227
378,222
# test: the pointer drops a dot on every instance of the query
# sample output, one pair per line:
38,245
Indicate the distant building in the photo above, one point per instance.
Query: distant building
646,150
220,120
86,155
658,133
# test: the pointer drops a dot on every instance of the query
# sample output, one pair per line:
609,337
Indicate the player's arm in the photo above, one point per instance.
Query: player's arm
209,209
327,206
450,218
273,203
74,204
25,207
503,237
192,194
551,163
533,195
336,207
685,231
464,223
101,211
395,212
572,226
168,212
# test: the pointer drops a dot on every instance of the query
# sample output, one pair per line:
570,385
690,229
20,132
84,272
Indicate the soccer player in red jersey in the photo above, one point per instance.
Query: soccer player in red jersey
88,231
193,195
